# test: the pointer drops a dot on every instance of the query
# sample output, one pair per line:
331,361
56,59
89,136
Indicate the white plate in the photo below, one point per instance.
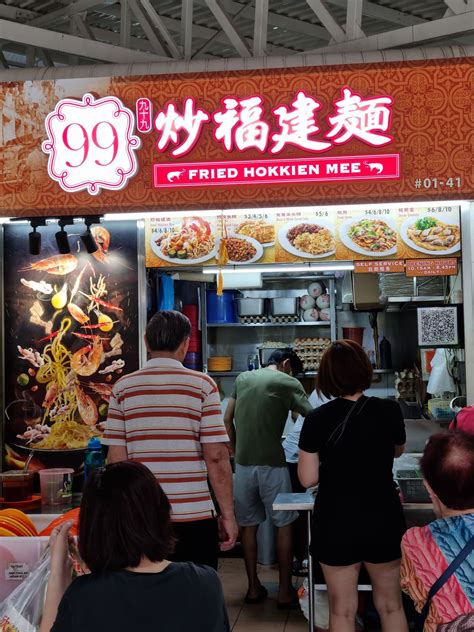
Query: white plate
288,246
347,241
267,244
256,244
411,220
182,262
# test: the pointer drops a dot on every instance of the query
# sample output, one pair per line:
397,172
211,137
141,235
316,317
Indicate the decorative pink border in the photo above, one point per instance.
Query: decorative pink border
50,148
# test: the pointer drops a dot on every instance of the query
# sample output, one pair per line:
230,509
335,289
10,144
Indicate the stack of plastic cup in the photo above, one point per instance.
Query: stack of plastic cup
193,359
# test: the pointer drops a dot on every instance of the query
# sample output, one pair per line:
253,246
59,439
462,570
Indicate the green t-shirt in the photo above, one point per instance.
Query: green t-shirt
263,399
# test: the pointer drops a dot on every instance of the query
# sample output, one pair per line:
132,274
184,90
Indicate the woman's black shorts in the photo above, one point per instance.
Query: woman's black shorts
342,538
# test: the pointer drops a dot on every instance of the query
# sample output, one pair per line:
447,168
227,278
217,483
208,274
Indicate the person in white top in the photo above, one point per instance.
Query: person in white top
290,446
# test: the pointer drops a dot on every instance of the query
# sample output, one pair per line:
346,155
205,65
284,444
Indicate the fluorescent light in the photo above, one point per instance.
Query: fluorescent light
115,217
329,267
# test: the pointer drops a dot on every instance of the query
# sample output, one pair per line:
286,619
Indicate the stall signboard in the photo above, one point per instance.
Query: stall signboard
252,138
383,237
72,331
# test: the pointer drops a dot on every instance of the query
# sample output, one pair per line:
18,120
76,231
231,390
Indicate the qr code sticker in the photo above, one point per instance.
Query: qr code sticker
438,327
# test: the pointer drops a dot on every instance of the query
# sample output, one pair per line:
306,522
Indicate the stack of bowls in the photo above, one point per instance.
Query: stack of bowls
219,364
193,359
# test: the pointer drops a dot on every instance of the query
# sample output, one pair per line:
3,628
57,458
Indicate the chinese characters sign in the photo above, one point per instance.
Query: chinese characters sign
91,144
241,124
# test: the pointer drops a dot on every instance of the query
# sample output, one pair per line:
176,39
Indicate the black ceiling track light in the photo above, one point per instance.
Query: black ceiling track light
34,238
87,238
62,239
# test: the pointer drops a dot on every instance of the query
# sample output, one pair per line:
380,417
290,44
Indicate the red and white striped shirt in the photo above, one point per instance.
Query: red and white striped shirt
162,414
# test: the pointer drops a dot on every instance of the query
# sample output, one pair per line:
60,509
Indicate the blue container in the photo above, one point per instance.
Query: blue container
94,458
220,309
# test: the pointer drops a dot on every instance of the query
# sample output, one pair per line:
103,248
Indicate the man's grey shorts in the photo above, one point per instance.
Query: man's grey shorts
255,489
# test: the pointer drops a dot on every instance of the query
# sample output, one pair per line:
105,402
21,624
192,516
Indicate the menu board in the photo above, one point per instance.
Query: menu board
306,234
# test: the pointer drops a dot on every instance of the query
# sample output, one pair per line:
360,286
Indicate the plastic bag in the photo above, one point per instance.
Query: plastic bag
321,606
22,609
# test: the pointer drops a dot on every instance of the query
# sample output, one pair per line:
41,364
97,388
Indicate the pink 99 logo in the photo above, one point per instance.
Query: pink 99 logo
91,145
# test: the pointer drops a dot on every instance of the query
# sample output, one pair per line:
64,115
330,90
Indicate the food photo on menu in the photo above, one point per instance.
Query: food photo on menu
369,235
432,234
71,325
192,240
306,237
261,230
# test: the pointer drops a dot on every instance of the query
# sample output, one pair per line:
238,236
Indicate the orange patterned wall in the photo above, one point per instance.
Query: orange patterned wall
432,125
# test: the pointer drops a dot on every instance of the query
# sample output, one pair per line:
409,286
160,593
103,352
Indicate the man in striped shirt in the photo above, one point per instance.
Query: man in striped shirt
169,418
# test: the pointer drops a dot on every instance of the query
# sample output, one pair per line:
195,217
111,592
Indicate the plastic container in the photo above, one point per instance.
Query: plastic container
193,361
412,487
56,486
220,309
16,485
18,556
94,458
356,334
441,409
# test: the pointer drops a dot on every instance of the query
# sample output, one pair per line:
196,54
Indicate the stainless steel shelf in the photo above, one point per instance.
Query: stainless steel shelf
235,373
318,323
416,299
224,373
300,375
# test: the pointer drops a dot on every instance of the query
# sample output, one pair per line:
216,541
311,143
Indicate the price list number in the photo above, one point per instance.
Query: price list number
91,144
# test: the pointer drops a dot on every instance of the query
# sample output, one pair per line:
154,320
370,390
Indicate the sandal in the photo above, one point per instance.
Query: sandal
260,598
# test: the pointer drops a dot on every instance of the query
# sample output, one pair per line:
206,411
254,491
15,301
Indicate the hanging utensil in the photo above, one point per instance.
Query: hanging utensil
373,321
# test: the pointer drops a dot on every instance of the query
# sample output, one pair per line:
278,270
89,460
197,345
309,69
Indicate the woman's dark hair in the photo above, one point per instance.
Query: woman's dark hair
280,355
448,468
345,369
166,330
124,517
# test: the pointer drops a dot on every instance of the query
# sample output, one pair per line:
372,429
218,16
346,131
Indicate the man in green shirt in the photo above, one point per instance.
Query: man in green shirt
255,418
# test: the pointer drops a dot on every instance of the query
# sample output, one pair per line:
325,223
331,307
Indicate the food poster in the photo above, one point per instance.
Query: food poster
250,238
174,240
367,234
304,234
290,235
71,331
433,231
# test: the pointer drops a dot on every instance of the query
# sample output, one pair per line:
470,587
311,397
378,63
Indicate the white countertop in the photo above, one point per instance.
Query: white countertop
296,502
305,502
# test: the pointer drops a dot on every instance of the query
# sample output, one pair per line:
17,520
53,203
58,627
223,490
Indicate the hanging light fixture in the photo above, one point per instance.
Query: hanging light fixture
34,238
62,239
87,238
